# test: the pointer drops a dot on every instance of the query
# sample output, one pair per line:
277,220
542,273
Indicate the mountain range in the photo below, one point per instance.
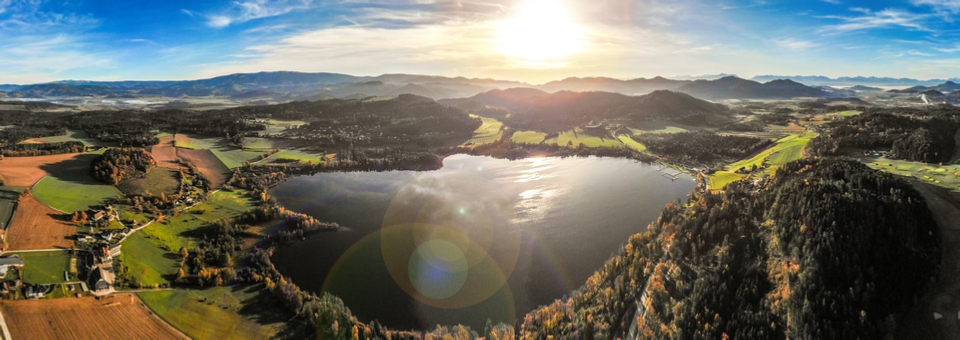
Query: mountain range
859,80
290,86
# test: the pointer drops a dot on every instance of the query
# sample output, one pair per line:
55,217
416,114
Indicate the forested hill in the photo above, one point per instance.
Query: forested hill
735,88
565,108
827,249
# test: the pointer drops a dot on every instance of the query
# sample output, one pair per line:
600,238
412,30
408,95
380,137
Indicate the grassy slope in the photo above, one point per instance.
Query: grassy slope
630,143
787,149
156,181
151,253
147,261
71,196
230,156
488,132
239,312
579,137
45,267
946,176
532,137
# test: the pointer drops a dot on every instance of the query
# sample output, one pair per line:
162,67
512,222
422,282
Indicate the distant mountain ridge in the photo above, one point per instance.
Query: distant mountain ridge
858,80
289,86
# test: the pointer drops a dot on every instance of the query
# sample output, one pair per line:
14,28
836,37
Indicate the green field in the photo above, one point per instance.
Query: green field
844,114
577,137
156,181
662,126
152,253
8,199
787,149
262,143
231,156
238,312
275,126
175,232
296,155
946,176
146,261
70,187
531,137
489,132
630,143
72,135
45,267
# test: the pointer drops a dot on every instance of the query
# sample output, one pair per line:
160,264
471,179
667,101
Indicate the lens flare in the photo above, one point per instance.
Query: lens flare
446,249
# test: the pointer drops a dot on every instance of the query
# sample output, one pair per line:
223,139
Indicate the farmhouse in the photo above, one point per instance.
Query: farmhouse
98,280
114,250
7,262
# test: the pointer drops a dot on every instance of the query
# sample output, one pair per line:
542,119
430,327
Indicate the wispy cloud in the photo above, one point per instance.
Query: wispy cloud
794,44
243,11
942,6
694,50
918,53
954,49
835,2
881,19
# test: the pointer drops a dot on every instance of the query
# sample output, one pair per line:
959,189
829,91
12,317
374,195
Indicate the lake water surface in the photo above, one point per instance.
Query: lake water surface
480,238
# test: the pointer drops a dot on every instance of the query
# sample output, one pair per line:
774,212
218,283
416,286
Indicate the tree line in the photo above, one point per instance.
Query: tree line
45,149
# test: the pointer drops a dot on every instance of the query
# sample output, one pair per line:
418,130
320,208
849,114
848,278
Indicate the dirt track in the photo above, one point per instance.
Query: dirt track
944,297
121,316
35,227
25,171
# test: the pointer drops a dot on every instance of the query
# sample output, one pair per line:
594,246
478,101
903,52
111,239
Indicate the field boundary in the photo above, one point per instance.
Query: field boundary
3,325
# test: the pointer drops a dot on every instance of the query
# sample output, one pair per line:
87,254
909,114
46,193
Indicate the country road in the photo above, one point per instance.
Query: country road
937,316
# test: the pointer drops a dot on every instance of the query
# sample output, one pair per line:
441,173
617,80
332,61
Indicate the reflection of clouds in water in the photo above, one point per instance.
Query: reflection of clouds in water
534,204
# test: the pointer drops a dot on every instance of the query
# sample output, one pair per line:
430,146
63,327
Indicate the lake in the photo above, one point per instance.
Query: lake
480,238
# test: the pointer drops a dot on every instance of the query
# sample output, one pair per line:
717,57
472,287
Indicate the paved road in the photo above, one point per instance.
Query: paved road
6,331
944,297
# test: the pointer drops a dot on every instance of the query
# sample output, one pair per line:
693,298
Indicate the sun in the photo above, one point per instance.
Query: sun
540,31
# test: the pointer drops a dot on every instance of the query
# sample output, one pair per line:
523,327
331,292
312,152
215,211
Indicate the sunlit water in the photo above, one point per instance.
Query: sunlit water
480,238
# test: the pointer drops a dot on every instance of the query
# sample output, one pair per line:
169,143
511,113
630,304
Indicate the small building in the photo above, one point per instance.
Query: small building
114,250
7,262
98,280
35,292
98,215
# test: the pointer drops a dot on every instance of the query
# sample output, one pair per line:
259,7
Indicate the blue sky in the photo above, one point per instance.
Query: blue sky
529,40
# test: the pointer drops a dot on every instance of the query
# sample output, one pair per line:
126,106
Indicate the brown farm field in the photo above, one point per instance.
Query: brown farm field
165,153
121,316
25,171
208,164
35,226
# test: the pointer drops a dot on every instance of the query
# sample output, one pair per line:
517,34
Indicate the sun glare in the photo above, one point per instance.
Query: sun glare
540,31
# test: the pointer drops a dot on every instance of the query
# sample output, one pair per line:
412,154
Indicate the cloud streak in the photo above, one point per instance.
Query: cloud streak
883,19
243,11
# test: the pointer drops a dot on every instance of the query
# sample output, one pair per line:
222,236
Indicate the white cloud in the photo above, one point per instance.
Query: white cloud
467,47
881,19
794,44
954,49
943,6
27,57
243,11
700,49
835,2
918,53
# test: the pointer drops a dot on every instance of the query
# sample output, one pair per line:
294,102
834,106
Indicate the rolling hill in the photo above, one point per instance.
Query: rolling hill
737,88
533,107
